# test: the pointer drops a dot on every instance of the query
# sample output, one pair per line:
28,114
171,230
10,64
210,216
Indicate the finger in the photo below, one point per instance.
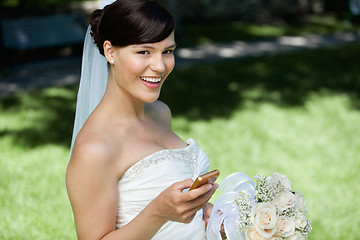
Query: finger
195,205
199,203
180,186
207,195
195,193
190,213
203,199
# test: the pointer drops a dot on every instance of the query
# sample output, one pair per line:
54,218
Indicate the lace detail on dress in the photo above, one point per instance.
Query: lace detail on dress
189,154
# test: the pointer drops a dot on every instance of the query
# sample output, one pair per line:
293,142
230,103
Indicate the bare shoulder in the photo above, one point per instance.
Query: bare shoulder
161,112
91,182
90,152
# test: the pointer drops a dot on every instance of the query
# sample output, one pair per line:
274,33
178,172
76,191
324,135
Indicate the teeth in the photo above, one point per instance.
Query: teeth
150,79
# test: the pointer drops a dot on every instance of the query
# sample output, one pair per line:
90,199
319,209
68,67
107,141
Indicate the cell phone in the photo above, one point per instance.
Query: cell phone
209,177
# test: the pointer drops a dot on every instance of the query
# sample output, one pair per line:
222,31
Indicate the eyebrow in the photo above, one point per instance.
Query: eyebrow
151,47
172,46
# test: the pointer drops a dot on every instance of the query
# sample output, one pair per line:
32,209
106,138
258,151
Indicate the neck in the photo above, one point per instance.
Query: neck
120,104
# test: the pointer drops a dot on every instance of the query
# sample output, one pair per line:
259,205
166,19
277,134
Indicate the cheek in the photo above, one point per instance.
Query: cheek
135,67
170,64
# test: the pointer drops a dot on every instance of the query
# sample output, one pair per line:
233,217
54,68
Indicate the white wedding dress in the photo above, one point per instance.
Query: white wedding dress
146,179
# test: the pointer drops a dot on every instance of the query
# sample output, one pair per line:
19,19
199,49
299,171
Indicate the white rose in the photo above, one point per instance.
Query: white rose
276,177
285,226
275,237
264,218
252,234
285,201
296,236
300,202
300,223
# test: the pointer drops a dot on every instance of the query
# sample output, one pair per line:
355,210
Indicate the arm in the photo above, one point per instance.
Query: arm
92,187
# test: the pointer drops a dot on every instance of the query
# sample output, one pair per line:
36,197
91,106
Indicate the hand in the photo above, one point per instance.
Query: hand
207,213
175,205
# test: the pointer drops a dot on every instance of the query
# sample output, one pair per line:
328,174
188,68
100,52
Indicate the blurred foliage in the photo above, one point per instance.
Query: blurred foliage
214,10
36,3
258,10
242,31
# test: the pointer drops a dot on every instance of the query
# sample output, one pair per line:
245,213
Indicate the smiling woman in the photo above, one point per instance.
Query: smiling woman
136,66
128,170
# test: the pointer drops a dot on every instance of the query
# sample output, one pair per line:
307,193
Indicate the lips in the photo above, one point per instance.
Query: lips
151,79
151,82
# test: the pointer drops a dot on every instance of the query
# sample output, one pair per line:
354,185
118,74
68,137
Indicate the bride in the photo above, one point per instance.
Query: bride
129,173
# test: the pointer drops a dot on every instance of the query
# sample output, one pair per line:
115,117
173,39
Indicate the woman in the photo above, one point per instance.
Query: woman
128,172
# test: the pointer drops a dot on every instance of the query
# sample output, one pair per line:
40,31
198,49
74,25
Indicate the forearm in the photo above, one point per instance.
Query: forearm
144,226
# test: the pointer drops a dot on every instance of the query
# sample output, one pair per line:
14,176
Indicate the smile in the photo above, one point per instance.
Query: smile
151,79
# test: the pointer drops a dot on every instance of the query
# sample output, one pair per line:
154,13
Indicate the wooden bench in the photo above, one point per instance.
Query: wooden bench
41,32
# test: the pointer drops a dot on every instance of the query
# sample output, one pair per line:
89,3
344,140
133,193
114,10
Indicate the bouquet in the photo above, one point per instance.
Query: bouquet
267,209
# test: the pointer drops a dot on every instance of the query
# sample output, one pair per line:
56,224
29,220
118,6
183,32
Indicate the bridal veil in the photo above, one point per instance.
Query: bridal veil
93,80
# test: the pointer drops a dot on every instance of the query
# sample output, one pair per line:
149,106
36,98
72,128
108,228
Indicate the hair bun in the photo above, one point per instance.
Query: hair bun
94,22
126,22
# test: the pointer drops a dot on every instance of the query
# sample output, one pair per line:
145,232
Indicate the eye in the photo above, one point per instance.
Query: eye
170,51
145,52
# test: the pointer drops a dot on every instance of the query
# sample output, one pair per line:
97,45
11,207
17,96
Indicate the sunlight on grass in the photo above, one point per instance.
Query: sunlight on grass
35,203
32,193
266,31
296,113
315,145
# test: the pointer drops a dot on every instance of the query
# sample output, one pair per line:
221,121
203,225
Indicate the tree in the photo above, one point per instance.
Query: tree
174,7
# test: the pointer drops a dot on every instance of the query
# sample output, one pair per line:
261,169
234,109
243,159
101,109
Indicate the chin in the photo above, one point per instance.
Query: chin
150,98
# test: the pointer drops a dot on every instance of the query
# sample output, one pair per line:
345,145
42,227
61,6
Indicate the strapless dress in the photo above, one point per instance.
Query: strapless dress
146,179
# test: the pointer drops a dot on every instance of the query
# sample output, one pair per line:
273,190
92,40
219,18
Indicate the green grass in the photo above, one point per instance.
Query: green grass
316,145
295,113
35,128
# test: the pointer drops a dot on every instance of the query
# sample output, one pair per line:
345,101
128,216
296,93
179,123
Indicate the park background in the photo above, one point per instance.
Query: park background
295,112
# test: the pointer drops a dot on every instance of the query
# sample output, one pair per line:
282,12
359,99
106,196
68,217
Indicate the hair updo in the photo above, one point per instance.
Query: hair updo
127,22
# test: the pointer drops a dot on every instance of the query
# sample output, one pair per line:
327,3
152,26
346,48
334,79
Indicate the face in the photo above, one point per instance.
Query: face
140,70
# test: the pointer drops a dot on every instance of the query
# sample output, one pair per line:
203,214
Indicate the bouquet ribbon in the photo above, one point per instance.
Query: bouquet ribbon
225,211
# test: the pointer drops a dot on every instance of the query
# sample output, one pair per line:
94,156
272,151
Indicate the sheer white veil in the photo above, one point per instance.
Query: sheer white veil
93,80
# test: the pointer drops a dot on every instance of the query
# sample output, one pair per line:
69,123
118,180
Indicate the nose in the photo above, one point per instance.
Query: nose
158,64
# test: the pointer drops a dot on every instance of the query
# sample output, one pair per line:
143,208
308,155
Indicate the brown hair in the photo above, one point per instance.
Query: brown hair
127,22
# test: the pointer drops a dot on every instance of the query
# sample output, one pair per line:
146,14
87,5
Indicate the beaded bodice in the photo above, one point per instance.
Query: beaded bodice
188,154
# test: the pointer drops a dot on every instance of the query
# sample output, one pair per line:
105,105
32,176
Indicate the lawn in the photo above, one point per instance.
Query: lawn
295,113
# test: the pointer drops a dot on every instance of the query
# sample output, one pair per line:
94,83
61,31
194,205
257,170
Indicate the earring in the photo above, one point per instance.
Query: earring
112,61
